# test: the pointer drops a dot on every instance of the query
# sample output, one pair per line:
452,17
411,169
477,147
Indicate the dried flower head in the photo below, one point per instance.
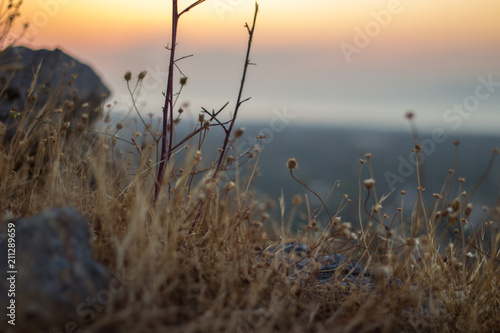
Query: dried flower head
468,209
127,76
239,132
369,183
183,80
197,156
455,205
142,75
411,241
376,208
381,272
336,220
291,163
229,186
297,200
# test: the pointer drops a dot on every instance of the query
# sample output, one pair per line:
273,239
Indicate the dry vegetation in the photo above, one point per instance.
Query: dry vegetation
192,257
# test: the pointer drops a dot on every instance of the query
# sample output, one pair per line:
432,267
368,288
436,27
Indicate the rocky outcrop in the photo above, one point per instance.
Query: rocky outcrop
56,279
62,82
299,262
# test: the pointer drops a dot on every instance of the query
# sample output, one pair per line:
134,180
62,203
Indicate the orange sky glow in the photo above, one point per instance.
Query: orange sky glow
426,39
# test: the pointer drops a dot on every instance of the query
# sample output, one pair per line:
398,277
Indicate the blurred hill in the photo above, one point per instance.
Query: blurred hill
326,155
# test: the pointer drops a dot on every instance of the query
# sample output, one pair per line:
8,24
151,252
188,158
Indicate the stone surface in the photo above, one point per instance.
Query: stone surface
56,271
17,68
331,267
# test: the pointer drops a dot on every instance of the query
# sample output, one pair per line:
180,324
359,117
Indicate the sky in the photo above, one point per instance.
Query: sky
333,63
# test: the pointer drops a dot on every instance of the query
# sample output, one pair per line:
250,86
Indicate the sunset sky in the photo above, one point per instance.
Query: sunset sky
357,62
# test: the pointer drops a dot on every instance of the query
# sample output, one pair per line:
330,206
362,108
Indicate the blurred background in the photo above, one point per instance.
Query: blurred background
333,81
362,62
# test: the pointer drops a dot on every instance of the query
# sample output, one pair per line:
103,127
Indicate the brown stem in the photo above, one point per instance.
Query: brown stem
239,101
317,196
168,112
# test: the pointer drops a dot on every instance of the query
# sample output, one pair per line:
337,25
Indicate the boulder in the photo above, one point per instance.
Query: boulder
62,82
56,277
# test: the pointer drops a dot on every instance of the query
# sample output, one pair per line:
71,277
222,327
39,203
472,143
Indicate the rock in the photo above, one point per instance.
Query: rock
56,272
85,94
331,267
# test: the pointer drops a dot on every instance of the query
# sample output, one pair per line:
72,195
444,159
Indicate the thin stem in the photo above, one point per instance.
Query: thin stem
168,112
239,101
317,196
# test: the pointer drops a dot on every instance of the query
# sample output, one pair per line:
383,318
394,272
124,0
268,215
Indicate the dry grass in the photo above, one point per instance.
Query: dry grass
192,259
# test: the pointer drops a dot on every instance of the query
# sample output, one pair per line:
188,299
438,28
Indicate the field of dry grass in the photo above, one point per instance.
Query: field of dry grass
192,257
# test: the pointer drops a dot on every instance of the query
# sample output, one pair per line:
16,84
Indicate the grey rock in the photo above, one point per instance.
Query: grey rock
56,271
17,68
332,267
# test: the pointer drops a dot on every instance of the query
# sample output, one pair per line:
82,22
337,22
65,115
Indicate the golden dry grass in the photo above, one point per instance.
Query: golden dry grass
193,258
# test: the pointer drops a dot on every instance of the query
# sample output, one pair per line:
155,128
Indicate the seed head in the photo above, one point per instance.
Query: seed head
376,208
455,205
468,209
229,186
239,132
369,183
183,80
291,163
381,272
197,156
411,241
142,75
127,76
297,200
